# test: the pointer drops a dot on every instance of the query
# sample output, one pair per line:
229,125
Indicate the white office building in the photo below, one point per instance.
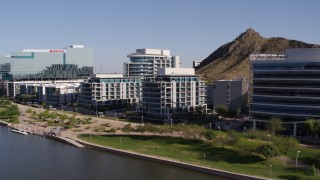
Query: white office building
145,62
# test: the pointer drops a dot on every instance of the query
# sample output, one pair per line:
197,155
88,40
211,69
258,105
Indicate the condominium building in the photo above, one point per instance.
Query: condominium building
171,92
107,89
38,63
286,86
14,88
230,93
144,62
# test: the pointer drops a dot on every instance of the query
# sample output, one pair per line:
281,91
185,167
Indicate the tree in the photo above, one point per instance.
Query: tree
268,151
284,144
313,126
221,110
274,125
234,113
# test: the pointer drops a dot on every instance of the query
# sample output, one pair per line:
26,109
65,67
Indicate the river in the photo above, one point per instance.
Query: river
33,157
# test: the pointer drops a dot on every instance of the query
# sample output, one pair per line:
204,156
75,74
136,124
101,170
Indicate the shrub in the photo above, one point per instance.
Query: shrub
312,171
268,151
209,135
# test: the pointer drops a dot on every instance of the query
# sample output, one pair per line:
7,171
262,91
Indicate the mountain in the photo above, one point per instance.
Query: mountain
231,60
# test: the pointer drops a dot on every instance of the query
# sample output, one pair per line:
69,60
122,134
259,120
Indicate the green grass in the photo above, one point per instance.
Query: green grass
306,155
191,151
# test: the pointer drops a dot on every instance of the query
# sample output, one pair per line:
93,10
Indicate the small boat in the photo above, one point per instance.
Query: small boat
19,131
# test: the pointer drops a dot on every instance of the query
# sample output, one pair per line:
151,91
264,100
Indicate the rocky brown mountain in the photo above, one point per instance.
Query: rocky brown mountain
231,60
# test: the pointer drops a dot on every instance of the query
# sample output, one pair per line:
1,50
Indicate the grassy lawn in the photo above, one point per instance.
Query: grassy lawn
306,155
191,151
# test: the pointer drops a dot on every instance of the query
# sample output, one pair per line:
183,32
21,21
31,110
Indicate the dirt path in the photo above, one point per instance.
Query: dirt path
292,162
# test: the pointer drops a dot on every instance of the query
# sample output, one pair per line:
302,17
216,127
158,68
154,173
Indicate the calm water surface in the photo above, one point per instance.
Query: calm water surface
33,157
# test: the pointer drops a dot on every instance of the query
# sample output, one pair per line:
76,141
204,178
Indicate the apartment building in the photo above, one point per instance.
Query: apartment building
171,92
107,89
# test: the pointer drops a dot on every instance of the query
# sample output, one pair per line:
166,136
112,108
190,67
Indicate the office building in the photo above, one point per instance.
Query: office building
232,94
102,90
38,63
286,86
171,92
144,62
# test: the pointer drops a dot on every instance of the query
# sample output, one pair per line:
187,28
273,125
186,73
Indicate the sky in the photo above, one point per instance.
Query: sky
191,29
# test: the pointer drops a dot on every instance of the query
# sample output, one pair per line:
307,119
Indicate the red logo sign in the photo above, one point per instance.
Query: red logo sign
56,50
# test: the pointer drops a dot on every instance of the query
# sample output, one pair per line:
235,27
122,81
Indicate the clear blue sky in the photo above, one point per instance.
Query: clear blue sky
191,29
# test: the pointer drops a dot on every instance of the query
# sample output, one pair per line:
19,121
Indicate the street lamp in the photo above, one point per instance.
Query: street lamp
244,129
171,121
219,128
270,170
210,126
299,135
204,158
141,119
120,143
298,152
115,116
269,137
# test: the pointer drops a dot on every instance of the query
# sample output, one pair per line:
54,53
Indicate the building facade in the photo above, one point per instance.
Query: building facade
232,94
14,88
286,86
171,92
108,89
144,62
29,63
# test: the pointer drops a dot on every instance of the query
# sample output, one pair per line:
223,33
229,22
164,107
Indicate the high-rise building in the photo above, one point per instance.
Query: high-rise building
286,86
108,89
144,62
171,92
31,63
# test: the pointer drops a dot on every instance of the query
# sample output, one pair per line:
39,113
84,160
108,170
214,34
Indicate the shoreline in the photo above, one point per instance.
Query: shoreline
84,144
202,169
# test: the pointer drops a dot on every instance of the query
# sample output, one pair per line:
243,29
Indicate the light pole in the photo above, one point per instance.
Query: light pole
270,170
115,116
120,141
171,122
158,150
204,158
244,129
219,128
141,119
269,137
210,125
299,135
97,112
298,152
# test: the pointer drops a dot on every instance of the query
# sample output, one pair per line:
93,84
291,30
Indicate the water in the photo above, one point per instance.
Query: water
33,157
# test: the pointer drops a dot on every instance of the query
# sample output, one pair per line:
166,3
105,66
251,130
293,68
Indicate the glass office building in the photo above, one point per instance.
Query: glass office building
30,62
286,86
